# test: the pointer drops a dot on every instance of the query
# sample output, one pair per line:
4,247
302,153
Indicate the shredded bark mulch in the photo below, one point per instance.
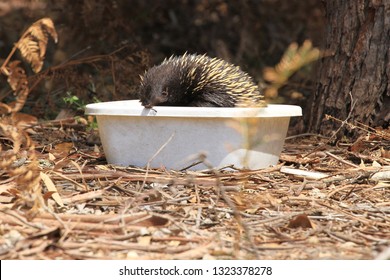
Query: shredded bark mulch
320,202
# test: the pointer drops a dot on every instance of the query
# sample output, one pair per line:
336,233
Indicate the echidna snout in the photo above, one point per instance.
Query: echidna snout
161,85
154,97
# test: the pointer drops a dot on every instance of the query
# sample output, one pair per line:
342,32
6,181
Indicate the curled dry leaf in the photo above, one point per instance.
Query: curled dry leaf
17,79
17,76
301,221
33,43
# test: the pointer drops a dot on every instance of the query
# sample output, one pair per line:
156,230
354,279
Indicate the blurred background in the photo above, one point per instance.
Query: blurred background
103,46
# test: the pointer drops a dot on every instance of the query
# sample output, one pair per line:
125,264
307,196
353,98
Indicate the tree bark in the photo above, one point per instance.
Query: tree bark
354,75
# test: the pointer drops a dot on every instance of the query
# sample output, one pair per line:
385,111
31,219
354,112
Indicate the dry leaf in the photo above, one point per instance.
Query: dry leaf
33,43
238,200
155,221
24,120
174,243
96,149
51,157
17,79
359,146
6,199
385,153
301,221
251,210
16,75
62,150
149,196
144,240
52,188
102,167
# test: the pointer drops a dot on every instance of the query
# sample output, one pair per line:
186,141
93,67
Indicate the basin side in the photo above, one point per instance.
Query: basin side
176,143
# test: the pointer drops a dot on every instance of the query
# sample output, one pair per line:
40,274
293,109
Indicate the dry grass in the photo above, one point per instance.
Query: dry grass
107,212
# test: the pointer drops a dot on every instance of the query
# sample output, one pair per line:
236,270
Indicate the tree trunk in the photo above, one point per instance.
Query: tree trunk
354,77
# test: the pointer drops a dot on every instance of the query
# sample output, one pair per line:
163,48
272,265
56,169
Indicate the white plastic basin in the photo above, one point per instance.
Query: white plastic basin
177,137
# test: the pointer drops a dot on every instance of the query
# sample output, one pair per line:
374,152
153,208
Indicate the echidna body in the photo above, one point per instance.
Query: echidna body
200,81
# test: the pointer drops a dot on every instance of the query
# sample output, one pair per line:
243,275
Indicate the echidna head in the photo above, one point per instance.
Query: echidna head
161,85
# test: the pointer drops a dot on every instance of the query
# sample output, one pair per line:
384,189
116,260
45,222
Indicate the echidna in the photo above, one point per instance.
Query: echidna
200,81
